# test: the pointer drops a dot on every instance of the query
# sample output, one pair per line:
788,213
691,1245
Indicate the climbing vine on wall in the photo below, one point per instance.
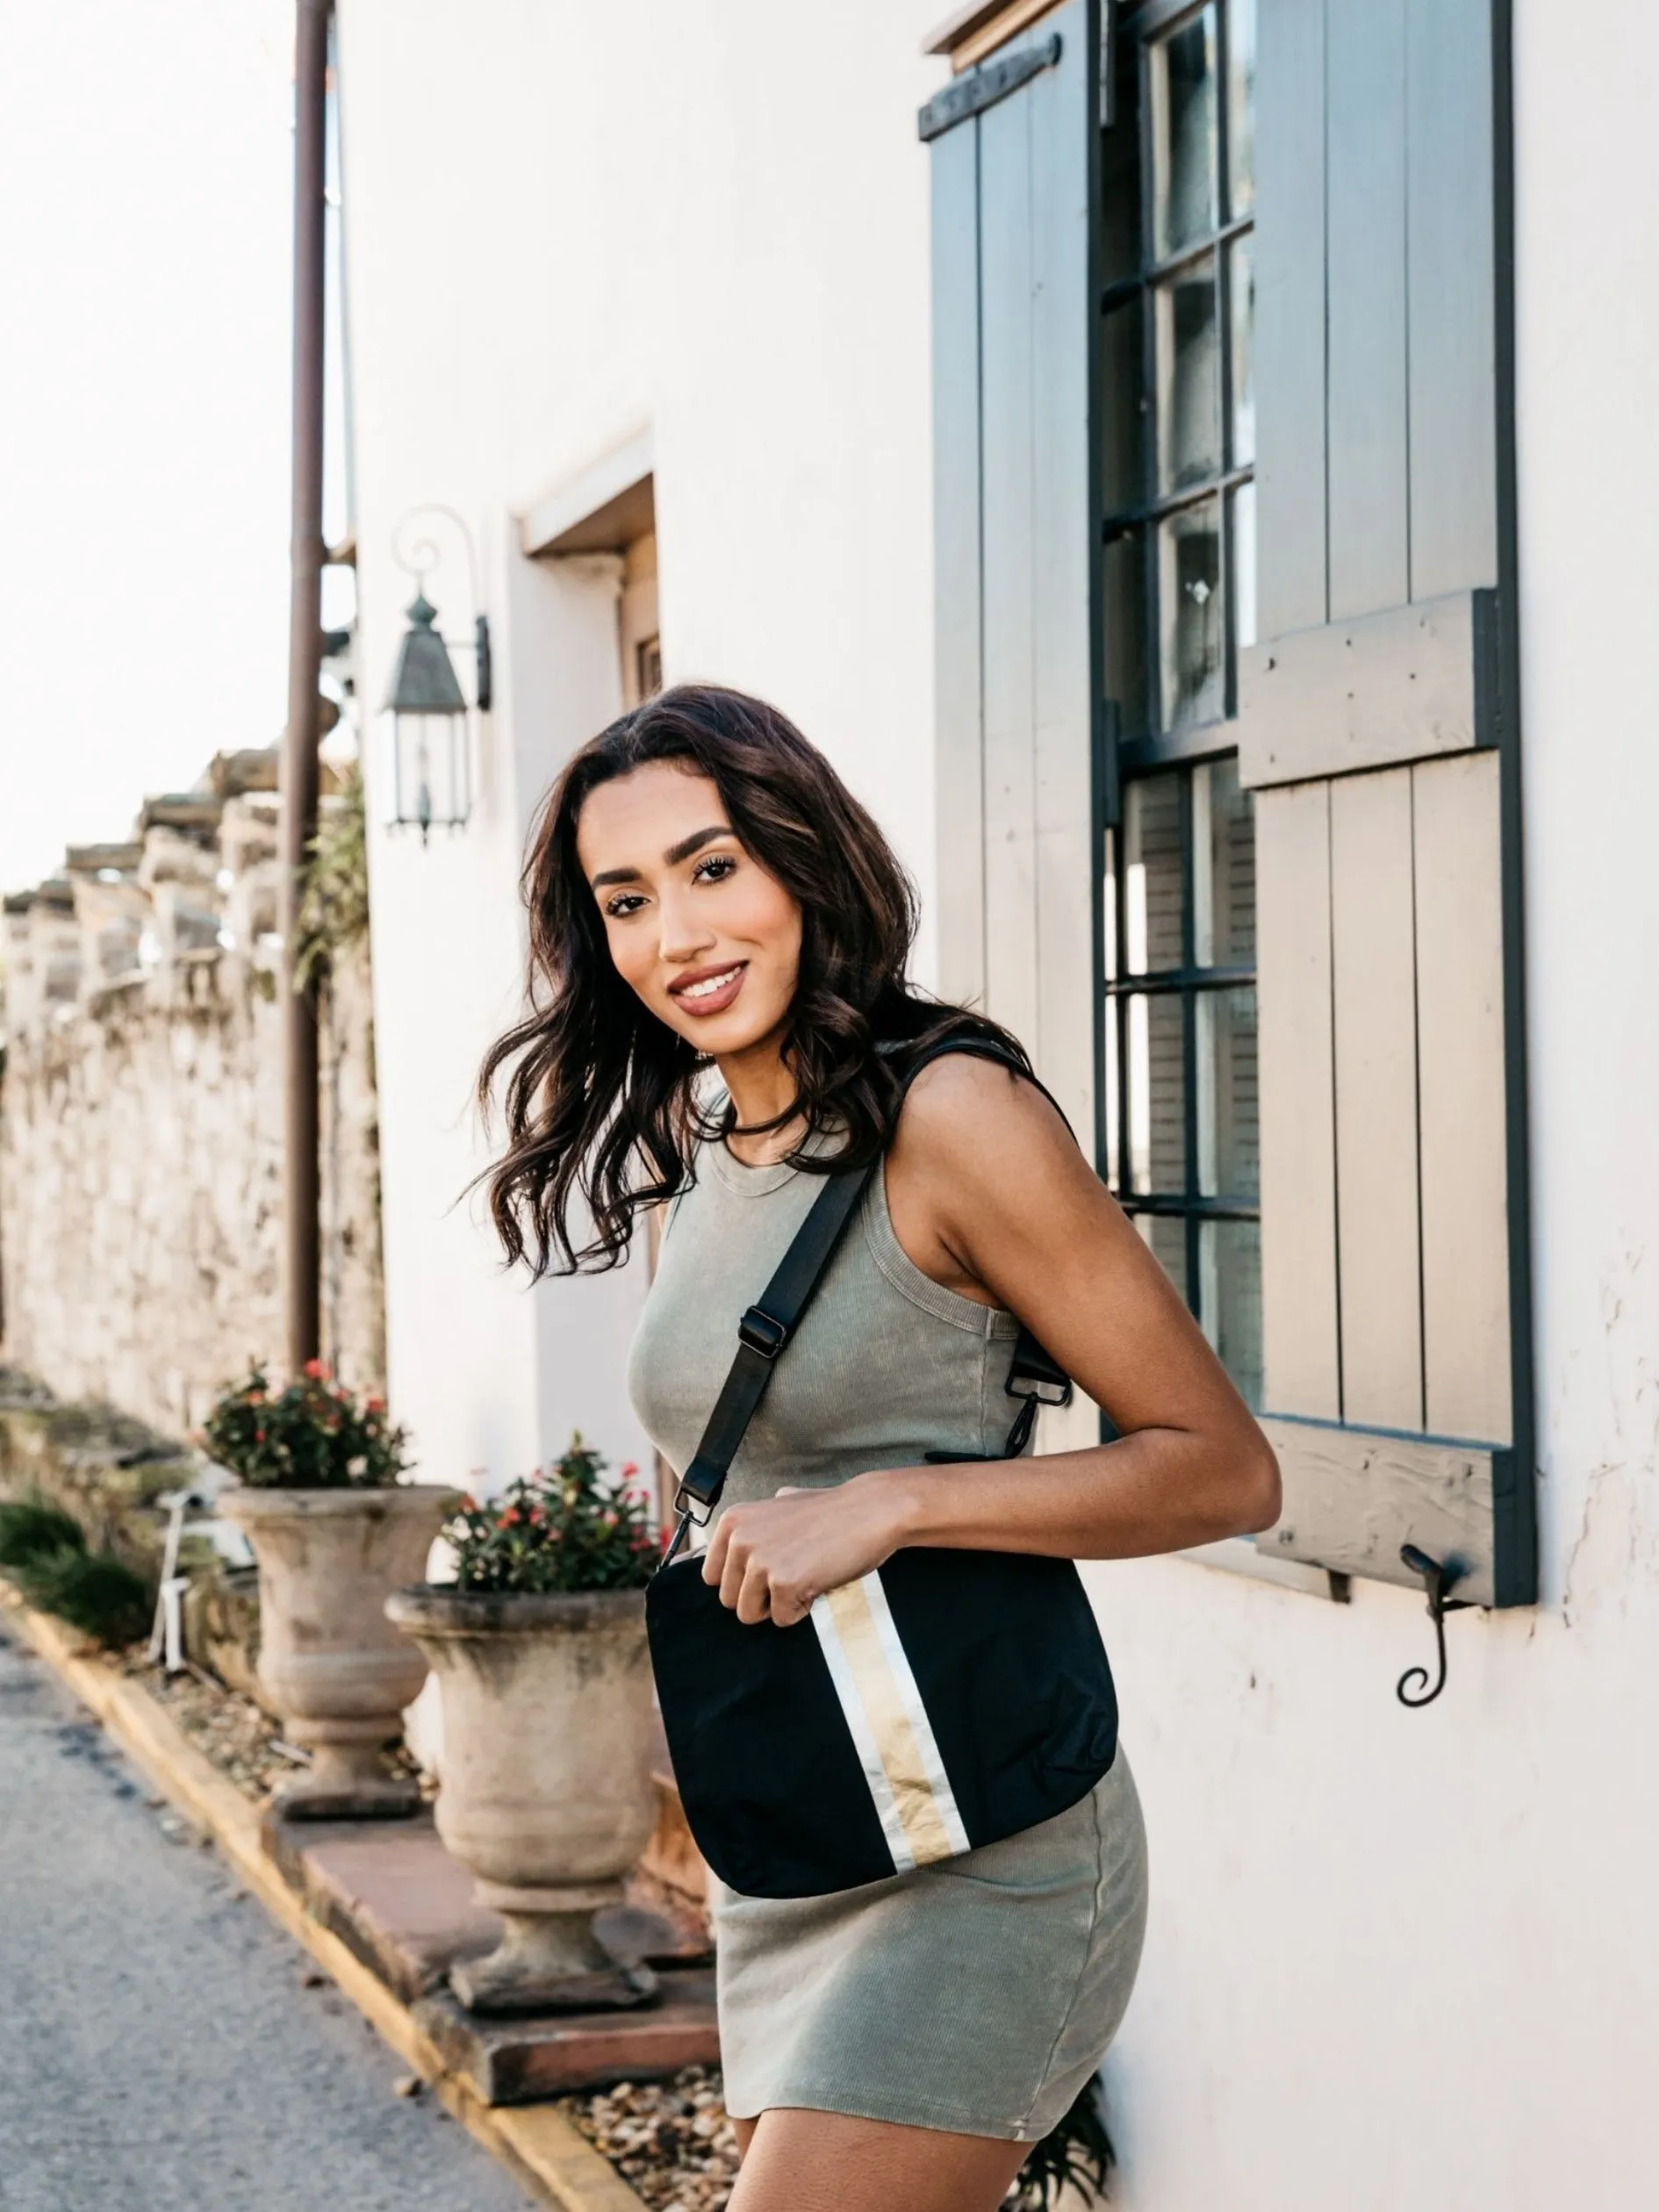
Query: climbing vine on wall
333,902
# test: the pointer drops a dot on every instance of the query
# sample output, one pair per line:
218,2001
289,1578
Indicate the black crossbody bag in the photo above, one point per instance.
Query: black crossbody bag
946,1700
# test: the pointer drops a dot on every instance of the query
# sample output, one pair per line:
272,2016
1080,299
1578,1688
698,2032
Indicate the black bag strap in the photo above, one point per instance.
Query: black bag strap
767,1326
764,1330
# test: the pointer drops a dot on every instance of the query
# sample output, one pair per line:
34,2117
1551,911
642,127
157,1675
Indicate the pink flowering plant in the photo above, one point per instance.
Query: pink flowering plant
562,1528
315,1434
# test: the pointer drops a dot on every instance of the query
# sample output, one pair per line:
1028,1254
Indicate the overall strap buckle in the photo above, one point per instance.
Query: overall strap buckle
761,1334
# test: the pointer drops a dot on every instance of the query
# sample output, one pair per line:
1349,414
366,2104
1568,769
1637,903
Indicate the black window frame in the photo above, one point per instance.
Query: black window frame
1128,755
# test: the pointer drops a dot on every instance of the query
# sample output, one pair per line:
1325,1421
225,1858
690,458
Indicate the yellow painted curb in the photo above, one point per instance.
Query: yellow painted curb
545,2153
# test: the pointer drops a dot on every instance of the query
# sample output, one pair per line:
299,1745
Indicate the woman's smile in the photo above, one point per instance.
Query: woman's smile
708,990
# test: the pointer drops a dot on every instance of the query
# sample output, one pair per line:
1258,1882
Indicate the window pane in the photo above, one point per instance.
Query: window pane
1190,617
1123,408
1230,1300
1224,892
1242,294
1189,377
1123,622
1109,906
1153,874
1156,1095
1183,119
1113,1107
1167,1236
1241,105
1242,514
1228,1118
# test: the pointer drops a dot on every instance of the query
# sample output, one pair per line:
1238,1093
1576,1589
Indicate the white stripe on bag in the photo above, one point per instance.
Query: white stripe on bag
863,1735
889,1725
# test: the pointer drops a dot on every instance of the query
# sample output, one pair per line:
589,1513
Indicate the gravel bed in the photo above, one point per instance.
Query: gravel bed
241,1739
670,2141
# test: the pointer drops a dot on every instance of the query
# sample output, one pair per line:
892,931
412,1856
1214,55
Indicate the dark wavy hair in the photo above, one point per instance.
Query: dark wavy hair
600,1098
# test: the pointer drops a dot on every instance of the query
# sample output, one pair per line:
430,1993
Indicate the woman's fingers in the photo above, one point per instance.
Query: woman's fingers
789,1606
754,1595
715,1556
767,1564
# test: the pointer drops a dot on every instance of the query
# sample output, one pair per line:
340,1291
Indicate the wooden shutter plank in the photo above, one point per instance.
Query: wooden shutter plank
1365,193
1290,318
1006,376
1064,1043
1460,1016
959,755
1378,689
1374,978
1453,296
1352,1496
1298,1144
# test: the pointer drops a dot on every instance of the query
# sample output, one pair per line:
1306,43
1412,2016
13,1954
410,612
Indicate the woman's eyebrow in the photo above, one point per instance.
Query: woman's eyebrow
671,859
686,847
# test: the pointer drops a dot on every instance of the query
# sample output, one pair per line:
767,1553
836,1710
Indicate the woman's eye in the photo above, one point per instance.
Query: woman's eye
715,869
624,903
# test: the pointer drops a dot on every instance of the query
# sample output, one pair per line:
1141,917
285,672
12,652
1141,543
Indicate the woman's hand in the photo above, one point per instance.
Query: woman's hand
771,1558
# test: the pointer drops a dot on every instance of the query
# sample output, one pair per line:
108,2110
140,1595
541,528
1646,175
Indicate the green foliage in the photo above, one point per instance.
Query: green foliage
93,1591
313,1435
31,1527
1077,2154
566,1529
333,892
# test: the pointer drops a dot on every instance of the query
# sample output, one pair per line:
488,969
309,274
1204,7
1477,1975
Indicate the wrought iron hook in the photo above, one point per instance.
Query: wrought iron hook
1437,1579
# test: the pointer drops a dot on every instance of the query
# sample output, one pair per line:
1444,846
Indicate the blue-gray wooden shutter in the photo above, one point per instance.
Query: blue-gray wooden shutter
1378,724
1010,149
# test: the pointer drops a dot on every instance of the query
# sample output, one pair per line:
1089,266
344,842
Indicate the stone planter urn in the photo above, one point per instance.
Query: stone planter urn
330,1664
545,1792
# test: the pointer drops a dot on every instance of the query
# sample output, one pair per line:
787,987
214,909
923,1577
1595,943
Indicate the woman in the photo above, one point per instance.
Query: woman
703,889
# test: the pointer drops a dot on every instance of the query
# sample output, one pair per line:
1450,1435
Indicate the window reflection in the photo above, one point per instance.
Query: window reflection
1183,91
1190,604
1229,1302
1189,377
1153,875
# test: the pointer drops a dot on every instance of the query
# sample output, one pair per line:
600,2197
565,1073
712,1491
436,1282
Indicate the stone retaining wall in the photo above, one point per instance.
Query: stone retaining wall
140,1122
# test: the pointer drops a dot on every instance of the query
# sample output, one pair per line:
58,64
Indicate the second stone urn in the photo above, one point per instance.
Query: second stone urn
330,1664
545,1792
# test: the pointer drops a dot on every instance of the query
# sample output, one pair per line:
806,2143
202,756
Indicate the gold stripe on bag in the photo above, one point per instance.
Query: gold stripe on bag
889,1723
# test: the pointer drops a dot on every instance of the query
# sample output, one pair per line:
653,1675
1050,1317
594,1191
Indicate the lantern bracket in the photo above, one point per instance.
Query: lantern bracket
417,552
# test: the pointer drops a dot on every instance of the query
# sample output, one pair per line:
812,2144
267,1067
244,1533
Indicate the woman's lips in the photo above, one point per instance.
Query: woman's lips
709,990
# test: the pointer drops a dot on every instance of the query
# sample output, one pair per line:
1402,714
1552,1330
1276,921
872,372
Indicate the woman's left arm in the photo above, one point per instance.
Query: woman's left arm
987,1190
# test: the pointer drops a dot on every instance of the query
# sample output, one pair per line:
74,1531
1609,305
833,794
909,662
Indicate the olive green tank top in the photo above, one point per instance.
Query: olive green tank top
885,1367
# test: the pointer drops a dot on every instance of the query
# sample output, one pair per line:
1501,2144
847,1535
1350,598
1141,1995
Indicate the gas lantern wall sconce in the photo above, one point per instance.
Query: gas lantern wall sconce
431,737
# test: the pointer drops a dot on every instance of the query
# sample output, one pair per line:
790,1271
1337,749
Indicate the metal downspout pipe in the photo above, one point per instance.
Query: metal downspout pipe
301,1176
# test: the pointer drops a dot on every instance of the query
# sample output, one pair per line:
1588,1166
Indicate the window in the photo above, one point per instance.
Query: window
1175,401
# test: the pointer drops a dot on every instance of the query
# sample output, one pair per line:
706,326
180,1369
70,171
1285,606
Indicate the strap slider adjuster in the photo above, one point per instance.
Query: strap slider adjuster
761,1334
1040,1388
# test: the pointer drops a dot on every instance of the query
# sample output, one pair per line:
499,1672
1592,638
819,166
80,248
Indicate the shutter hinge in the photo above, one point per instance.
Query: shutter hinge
983,87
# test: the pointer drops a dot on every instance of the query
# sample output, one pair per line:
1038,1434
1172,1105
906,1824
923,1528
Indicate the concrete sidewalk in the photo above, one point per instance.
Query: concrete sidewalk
160,2051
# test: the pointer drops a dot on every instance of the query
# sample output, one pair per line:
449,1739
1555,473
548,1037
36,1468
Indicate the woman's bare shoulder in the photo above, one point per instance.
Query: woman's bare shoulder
973,1116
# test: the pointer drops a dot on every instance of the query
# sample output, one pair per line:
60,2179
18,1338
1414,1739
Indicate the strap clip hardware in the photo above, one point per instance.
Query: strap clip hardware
1044,1389
686,1501
761,1334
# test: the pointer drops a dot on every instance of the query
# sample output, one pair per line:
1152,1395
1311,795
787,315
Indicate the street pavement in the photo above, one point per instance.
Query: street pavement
160,2051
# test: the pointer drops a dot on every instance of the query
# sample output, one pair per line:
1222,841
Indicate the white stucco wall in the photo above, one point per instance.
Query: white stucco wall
565,225
1398,1962
1410,1962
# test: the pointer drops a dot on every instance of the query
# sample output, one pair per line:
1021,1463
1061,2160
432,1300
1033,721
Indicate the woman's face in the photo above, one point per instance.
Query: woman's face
709,941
